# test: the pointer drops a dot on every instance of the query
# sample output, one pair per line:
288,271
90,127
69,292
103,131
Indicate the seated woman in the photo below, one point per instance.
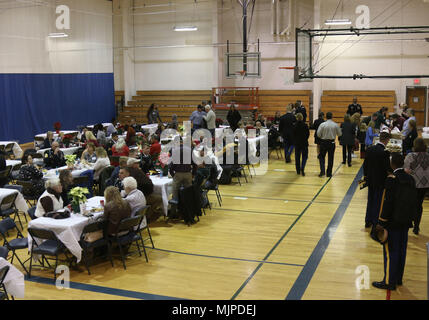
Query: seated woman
102,162
60,138
48,140
115,209
88,154
29,172
120,149
51,199
66,180
131,136
101,135
161,128
89,137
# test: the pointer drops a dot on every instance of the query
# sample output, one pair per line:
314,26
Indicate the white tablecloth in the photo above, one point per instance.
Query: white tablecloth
43,135
52,173
151,128
162,186
68,230
66,151
13,163
17,151
14,281
20,203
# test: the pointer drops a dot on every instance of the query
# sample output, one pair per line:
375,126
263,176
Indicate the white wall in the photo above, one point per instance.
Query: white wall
25,47
170,60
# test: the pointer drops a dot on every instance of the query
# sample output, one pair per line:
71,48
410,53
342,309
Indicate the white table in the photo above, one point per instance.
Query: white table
43,135
76,172
151,128
14,281
66,151
17,151
20,203
162,186
68,230
13,163
110,128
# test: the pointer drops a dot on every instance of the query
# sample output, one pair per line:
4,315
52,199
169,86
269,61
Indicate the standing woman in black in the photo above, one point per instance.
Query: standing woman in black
347,139
301,134
153,114
233,117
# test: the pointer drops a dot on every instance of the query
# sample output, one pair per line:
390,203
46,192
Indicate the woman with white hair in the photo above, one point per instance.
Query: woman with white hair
50,200
120,149
132,195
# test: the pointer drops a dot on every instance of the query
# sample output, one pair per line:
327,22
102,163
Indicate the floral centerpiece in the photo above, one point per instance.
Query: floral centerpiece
70,160
57,127
77,196
218,122
162,163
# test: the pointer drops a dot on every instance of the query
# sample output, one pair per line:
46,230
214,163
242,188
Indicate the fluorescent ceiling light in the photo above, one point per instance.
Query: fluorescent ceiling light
58,35
190,28
338,22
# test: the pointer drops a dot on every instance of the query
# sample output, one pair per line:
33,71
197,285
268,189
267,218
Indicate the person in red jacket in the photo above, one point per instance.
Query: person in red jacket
120,149
155,148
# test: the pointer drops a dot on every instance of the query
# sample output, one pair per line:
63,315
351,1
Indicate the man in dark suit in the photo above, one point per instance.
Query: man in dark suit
54,158
397,212
375,170
354,107
287,122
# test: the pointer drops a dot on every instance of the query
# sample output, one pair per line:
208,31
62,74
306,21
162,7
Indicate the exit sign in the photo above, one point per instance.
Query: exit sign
416,81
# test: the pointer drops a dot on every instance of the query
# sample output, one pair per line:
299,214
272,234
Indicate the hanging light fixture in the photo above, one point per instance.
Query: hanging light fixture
189,27
58,35
332,22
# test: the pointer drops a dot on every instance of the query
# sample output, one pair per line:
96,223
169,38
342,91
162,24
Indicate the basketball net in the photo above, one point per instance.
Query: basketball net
241,73
288,74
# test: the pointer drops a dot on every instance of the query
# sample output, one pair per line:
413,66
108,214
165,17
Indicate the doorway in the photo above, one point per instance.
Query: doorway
417,100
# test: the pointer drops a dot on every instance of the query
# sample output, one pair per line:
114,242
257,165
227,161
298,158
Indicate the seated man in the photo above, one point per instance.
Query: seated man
145,185
146,162
54,158
115,174
132,195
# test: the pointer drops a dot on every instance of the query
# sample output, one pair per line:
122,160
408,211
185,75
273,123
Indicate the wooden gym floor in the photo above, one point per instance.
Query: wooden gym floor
280,236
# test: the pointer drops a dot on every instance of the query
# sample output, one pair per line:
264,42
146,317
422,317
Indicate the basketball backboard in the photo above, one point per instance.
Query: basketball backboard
244,64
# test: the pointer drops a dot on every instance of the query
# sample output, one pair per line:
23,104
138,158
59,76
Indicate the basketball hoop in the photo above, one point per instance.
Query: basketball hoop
241,73
288,75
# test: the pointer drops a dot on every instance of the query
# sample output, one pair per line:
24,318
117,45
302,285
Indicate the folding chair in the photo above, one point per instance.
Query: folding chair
131,236
216,190
103,177
237,170
7,207
50,247
3,292
143,225
4,252
4,175
86,245
32,212
27,192
20,242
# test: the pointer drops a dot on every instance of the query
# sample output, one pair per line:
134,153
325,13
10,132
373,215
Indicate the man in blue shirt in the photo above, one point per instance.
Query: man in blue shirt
197,118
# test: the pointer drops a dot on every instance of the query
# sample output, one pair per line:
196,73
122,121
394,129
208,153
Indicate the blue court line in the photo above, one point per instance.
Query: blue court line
264,212
304,278
104,290
283,236
226,258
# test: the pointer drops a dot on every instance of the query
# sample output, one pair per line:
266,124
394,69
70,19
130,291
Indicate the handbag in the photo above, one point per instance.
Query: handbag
93,236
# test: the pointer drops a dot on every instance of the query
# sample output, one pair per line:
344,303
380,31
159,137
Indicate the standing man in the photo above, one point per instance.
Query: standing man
299,108
354,107
180,171
397,212
196,118
287,122
327,132
406,128
375,170
210,119
316,125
